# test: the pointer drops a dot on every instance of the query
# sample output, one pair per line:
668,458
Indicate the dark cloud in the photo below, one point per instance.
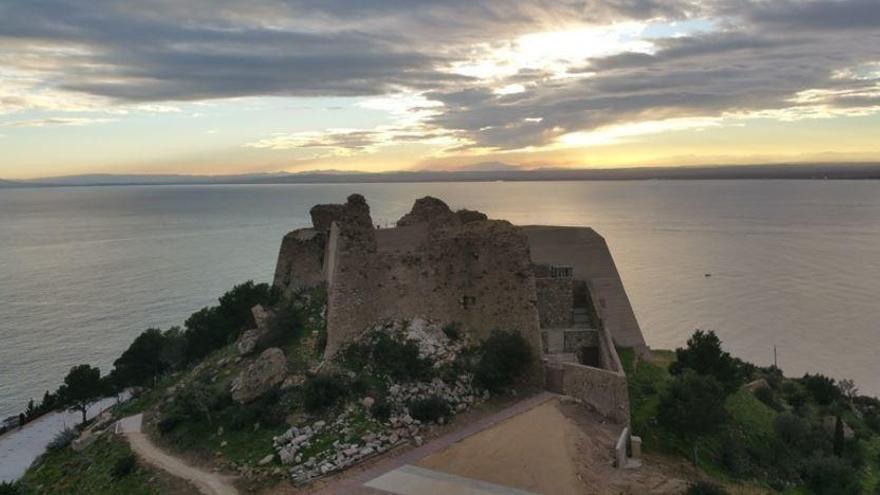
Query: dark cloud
750,66
815,14
759,56
165,50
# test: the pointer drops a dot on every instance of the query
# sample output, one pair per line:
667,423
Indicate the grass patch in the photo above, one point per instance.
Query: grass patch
90,472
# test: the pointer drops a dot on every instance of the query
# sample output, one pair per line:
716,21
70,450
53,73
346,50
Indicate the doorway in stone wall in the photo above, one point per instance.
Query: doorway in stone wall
553,376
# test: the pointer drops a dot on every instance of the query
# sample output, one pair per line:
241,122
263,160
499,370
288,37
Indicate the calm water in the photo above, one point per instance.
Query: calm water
795,264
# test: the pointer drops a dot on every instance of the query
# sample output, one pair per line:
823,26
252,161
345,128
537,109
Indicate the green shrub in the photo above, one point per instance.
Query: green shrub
284,326
10,488
796,396
705,488
793,430
323,391
399,360
766,395
387,356
213,327
823,389
692,405
241,417
381,410
197,402
734,456
168,424
452,331
872,420
271,409
123,466
430,409
62,439
503,358
705,356
321,341
830,476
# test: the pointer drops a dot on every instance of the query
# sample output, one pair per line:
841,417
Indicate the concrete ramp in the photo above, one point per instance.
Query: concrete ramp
131,424
414,480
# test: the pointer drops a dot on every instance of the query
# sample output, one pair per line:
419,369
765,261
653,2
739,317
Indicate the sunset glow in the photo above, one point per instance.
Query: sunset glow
295,86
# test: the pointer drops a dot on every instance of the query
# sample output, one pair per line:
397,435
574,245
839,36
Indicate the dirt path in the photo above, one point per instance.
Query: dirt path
207,483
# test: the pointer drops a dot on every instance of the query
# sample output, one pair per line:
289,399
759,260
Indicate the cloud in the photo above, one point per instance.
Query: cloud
490,74
746,69
156,50
350,142
55,122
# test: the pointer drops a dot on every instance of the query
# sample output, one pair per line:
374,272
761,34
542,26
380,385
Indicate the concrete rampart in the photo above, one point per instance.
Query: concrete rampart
588,255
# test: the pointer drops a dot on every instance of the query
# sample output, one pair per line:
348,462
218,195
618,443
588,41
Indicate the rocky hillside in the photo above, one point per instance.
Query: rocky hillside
268,408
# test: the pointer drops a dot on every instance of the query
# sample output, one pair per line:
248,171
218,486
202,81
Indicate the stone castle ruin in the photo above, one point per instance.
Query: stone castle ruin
557,286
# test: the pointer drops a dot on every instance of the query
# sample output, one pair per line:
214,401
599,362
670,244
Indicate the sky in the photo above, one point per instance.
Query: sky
224,87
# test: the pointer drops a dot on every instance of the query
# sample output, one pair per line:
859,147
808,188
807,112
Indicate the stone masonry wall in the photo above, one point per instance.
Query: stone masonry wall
477,274
604,390
555,301
300,260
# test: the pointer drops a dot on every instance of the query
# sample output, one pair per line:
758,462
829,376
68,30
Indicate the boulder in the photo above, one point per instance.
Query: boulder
829,422
267,371
250,339
261,315
755,385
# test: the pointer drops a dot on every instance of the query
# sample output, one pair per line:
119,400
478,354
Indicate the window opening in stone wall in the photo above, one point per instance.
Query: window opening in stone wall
561,271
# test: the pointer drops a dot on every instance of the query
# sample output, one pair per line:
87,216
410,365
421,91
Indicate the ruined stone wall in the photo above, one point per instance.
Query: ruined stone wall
476,274
603,390
555,301
300,260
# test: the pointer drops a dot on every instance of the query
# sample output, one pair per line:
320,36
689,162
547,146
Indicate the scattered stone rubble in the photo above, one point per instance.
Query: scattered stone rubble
297,446
433,343
349,448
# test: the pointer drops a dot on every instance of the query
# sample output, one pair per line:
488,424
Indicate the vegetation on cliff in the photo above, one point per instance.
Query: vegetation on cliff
383,389
106,467
747,424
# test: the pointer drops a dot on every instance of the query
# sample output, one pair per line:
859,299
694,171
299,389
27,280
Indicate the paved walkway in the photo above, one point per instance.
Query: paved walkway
415,480
207,483
401,471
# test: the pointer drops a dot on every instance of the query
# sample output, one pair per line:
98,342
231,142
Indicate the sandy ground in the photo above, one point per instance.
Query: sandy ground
207,483
555,447
535,451
558,448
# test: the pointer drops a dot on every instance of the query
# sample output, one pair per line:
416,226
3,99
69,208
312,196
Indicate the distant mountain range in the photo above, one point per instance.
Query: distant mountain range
480,172
9,184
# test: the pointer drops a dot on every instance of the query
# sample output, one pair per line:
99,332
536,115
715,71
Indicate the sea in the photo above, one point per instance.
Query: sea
785,270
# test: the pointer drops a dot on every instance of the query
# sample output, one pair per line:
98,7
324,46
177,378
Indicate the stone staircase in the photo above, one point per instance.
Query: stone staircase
581,318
